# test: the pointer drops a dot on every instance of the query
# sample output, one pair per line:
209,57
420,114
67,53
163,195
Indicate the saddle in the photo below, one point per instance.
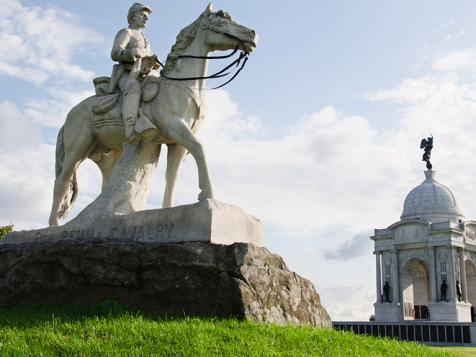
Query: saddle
107,106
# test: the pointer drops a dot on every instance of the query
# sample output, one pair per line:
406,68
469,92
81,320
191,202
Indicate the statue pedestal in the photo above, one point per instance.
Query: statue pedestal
175,279
450,311
387,311
188,259
208,221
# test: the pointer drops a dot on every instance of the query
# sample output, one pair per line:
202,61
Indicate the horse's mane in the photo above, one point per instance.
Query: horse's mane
184,39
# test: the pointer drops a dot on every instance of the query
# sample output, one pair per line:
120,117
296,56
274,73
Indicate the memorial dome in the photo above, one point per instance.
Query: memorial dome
431,201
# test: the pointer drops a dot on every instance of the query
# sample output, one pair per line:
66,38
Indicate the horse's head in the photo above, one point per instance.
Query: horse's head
223,33
211,31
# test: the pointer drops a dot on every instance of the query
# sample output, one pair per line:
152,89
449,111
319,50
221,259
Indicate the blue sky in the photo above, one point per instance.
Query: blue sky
318,136
328,52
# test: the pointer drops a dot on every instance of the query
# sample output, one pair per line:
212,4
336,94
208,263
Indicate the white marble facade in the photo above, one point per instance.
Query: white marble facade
430,245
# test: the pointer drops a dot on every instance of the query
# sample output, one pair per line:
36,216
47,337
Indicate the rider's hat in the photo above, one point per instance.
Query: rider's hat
137,6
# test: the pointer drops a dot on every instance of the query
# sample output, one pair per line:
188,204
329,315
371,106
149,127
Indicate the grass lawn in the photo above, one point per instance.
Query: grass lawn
111,330
458,351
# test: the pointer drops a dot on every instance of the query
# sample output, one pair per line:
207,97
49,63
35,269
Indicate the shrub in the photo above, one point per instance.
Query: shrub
5,229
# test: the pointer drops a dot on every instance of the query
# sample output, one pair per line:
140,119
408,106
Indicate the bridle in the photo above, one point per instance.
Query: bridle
243,56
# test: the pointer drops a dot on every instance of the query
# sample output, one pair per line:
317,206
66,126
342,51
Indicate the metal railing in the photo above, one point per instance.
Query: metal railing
448,333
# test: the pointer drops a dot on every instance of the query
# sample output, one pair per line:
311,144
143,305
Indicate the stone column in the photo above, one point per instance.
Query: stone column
432,272
451,274
462,269
396,290
379,277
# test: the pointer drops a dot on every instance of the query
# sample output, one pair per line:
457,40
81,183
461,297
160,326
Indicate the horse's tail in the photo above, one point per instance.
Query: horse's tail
72,189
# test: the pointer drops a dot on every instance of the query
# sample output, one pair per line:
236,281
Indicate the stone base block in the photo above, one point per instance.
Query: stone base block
207,221
239,280
450,311
387,312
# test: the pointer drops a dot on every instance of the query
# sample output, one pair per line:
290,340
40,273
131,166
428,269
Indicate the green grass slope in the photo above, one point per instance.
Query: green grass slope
111,330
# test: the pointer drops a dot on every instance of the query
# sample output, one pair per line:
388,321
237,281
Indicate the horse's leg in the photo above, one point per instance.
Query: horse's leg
75,151
175,155
106,163
177,130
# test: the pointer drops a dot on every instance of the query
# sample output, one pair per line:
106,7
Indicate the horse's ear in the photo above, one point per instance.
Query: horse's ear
209,9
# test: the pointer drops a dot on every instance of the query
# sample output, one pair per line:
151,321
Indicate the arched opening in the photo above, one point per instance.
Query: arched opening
415,290
471,285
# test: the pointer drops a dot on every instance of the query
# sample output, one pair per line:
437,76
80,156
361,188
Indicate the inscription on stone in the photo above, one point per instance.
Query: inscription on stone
159,232
146,232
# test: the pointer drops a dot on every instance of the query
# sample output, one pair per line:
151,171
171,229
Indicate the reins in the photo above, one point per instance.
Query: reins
211,57
242,57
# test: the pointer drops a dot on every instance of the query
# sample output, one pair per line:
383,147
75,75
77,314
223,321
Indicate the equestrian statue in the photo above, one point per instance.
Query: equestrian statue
136,110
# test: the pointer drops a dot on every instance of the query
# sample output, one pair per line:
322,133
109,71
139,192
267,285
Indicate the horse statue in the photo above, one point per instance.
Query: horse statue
173,107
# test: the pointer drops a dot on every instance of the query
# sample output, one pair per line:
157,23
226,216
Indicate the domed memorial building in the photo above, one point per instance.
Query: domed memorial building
426,262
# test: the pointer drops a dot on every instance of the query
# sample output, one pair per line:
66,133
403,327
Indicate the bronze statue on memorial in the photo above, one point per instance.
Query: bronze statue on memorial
459,293
386,291
443,289
427,146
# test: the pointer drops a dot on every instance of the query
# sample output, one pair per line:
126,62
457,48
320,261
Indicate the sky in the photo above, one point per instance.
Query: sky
318,137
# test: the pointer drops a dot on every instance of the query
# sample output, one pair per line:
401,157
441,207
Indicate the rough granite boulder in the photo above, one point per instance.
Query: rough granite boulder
203,279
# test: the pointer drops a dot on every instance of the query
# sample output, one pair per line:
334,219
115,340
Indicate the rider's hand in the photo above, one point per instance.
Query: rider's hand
139,53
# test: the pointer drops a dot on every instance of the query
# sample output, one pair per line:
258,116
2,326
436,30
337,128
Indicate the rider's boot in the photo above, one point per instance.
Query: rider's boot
131,135
130,110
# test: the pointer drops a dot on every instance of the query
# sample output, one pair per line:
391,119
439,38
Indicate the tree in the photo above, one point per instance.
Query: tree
5,229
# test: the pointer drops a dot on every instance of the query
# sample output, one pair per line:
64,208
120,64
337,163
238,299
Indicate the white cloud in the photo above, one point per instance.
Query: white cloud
458,60
38,43
353,248
53,110
300,182
27,166
16,130
344,302
446,106
418,90
25,73
27,174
